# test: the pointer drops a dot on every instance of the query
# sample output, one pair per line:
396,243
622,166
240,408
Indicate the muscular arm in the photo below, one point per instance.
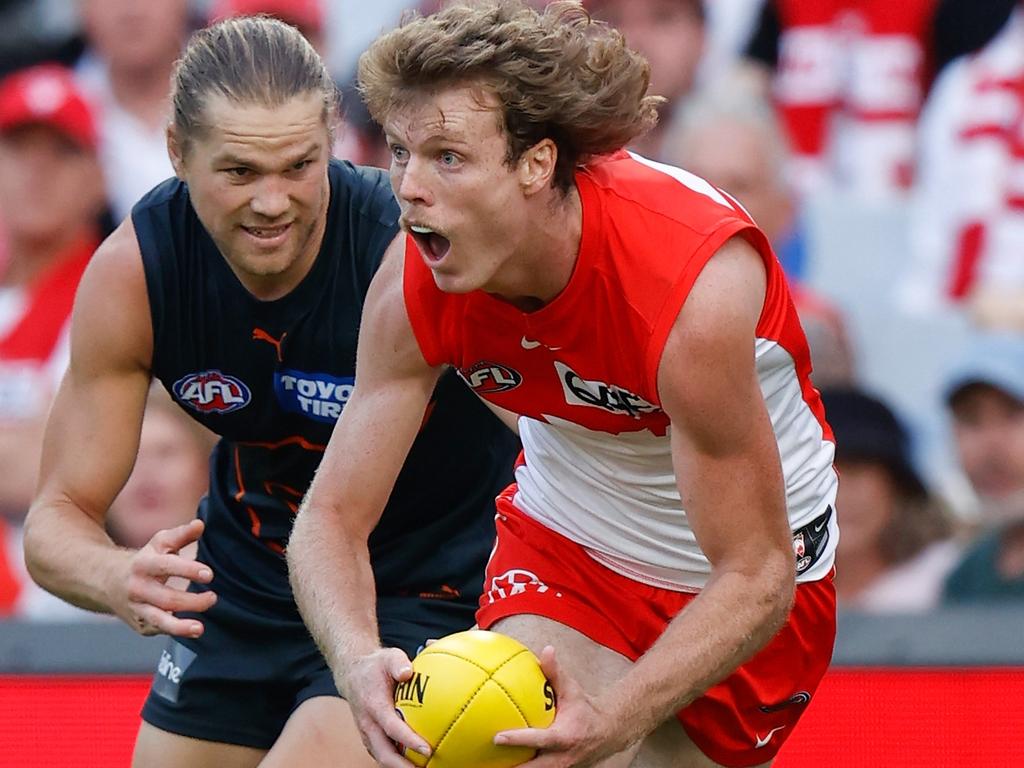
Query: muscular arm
730,477
328,557
89,448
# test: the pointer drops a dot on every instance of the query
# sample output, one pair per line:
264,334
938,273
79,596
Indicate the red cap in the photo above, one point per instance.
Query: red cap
301,13
47,95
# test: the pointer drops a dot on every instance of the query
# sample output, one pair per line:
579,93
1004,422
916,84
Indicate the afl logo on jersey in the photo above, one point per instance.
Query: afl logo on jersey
487,378
212,392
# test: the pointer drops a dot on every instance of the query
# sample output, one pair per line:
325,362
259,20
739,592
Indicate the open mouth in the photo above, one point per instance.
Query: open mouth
432,244
268,235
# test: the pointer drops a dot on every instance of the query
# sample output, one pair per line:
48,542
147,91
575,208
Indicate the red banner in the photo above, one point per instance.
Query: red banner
896,718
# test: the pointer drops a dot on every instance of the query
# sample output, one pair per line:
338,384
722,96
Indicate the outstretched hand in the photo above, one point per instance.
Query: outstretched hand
142,597
369,688
581,735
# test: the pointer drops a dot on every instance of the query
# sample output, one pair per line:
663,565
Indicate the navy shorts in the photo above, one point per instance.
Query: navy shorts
240,682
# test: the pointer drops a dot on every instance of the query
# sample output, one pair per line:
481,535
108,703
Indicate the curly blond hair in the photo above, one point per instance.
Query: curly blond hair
557,74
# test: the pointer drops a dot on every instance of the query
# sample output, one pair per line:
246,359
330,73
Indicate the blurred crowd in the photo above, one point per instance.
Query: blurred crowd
915,106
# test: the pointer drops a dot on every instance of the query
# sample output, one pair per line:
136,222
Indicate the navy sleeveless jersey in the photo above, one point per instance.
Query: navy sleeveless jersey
271,378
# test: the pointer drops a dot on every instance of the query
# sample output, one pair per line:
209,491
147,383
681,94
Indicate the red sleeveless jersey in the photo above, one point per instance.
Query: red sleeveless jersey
582,370
591,355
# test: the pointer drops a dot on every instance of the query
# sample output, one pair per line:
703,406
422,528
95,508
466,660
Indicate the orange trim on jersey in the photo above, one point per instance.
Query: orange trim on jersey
293,440
270,487
274,546
257,524
238,477
258,334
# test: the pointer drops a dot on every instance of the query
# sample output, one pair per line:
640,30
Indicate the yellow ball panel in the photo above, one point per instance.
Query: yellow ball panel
488,649
470,742
440,686
465,688
525,684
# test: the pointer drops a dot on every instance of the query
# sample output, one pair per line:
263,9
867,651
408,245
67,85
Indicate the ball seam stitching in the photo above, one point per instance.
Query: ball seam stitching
490,676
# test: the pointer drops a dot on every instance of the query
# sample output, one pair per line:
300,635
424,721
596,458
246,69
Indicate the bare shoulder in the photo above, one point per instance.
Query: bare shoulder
111,317
386,336
728,295
710,348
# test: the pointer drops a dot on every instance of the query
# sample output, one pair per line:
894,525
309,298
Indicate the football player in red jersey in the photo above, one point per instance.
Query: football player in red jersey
640,327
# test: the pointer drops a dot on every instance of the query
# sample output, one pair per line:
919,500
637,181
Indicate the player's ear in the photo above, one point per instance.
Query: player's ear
536,166
176,151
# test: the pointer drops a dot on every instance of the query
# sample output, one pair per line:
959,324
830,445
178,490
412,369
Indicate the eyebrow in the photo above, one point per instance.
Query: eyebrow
434,138
232,159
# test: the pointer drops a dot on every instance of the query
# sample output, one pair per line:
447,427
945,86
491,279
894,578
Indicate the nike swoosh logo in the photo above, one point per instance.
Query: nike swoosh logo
528,344
764,742
819,526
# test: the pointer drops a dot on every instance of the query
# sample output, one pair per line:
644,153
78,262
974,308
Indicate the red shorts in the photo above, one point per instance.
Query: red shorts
742,721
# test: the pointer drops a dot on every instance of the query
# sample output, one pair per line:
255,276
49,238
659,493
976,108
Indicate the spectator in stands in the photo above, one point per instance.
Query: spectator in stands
986,397
896,546
850,77
671,34
127,73
169,477
307,15
51,193
968,226
730,136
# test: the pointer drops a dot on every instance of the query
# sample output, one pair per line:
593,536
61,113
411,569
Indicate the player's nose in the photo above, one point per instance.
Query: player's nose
411,186
270,198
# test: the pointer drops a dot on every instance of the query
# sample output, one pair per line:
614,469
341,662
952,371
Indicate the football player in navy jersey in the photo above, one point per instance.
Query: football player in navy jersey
239,286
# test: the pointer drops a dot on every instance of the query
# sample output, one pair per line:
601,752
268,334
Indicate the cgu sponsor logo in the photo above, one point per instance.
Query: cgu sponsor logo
319,396
597,394
487,378
212,392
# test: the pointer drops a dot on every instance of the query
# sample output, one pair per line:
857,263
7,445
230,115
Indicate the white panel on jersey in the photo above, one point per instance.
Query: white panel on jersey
616,495
687,179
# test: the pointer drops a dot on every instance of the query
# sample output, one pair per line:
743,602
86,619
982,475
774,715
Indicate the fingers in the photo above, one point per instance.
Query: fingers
173,539
163,566
150,620
384,751
399,732
151,592
549,664
538,738
398,664
561,681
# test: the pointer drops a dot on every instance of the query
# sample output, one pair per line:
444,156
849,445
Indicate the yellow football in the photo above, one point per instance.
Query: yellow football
467,687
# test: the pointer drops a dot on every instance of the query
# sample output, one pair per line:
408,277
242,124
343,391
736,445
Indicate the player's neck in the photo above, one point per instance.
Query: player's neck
545,258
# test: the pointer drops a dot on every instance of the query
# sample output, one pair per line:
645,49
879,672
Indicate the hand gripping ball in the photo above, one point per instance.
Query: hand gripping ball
464,689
